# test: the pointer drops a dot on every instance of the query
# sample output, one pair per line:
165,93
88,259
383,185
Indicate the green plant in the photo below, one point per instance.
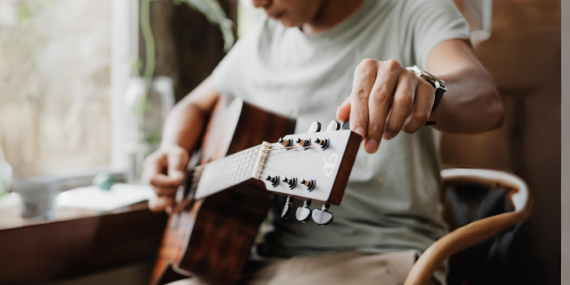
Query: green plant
213,12
210,8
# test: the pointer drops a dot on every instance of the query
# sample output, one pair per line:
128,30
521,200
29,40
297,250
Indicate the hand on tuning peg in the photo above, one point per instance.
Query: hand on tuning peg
304,213
322,217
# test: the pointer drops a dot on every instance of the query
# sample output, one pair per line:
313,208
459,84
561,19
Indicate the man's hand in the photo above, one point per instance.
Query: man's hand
163,170
386,98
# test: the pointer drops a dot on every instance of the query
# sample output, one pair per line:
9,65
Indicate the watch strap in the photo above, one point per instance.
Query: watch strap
438,95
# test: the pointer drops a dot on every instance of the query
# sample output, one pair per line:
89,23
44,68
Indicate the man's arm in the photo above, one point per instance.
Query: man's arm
386,98
164,169
184,123
471,103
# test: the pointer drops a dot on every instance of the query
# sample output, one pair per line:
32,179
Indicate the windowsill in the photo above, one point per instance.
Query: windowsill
74,206
82,180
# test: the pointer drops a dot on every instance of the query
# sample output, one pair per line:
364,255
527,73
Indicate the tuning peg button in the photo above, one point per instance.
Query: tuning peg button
305,143
274,180
324,143
322,217
304,213
334,125
315,127
287,208
292,182
309,183
285,142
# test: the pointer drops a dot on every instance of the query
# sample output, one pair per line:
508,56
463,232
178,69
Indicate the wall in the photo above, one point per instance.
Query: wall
523,56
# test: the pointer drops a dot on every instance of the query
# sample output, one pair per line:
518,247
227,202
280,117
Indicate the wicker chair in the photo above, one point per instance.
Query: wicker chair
479,231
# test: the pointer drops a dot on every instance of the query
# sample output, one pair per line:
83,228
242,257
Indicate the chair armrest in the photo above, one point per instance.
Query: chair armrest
478,231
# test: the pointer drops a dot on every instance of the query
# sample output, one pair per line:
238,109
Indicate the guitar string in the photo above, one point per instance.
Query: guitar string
281,147
253,153
249,154
197,177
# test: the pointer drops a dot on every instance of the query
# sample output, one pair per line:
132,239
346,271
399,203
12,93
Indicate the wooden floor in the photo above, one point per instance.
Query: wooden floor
523,56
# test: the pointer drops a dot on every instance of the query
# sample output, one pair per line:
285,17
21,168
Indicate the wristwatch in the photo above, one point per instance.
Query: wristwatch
438,84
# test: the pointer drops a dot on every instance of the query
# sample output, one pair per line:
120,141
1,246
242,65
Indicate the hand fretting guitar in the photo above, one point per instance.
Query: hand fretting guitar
228,197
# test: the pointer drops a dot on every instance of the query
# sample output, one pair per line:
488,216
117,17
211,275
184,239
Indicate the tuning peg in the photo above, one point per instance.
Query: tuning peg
304,213
304,143
324,143
292,182
274,180
315,127
287,208
309,183
322,217
285,142
334,125
346,125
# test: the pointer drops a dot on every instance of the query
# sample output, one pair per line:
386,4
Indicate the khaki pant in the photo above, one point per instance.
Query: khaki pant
339,268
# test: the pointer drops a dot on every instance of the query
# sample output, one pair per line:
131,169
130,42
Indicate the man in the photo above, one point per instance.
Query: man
317,59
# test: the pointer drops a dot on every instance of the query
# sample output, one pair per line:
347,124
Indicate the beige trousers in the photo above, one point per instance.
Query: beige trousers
339,268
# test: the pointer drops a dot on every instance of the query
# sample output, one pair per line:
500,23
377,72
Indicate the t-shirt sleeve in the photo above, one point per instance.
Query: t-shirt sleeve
224,75
433,22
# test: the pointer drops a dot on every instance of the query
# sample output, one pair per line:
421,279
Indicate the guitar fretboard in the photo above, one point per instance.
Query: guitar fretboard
231,170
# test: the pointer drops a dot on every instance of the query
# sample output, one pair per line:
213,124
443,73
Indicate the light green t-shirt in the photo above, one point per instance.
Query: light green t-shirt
392,199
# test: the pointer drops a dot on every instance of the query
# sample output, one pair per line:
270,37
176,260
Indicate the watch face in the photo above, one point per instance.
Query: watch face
434,79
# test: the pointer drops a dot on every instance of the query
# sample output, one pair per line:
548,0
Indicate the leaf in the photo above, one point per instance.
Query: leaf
216,15
23,14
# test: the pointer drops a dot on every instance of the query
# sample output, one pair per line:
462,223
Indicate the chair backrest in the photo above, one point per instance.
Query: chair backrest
519,193
479,231
469,200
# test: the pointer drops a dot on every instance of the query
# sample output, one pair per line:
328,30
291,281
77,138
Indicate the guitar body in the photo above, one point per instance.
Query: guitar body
213,237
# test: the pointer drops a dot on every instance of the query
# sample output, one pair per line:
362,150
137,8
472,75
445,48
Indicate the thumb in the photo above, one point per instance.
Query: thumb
177,162
343,112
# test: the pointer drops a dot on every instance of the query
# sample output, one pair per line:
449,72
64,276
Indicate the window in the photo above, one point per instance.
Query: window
61,81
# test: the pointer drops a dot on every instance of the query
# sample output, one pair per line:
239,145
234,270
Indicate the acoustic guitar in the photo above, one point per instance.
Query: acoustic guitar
245,160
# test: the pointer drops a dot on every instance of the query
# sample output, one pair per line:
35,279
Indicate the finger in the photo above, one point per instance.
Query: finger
402,104
169,191
364,77
161,180
160,203
153,164
177,161
379,105
421,110
343,112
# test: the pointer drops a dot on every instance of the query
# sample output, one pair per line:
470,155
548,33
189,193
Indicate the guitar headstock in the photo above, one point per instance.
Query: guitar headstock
313,166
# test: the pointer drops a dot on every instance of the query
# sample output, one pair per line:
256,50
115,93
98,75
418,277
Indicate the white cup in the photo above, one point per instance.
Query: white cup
38,196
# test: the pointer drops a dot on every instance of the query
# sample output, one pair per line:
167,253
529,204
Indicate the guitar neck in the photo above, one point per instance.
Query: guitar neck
229,171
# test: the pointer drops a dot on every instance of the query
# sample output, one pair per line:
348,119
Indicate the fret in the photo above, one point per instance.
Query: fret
231,170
